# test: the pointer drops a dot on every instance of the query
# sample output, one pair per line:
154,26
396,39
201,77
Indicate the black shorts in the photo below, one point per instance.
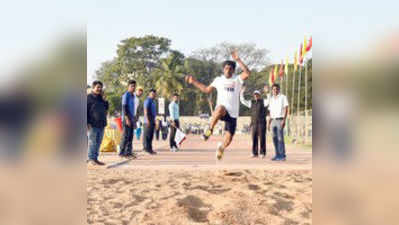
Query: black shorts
230,123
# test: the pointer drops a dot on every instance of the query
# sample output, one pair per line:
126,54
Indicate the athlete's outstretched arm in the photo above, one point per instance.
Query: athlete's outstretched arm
206,89
246,72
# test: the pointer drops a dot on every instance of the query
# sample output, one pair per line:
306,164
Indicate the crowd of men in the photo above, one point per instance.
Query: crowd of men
230,92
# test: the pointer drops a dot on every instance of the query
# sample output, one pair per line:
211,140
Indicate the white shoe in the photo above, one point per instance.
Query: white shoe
219,151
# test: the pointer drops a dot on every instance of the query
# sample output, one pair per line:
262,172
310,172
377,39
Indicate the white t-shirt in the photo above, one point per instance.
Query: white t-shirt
136,103
228,93
277,105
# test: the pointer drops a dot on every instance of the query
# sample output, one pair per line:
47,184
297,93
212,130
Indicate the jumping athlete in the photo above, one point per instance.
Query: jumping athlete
228,88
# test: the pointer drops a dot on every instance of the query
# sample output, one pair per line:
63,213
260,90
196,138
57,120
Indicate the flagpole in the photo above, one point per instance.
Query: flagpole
299,99
286,84
292,97
306,103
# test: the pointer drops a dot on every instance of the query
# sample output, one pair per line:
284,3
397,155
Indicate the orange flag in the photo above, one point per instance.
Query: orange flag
300,55
309,44
295,61
281,70
271,77
304,47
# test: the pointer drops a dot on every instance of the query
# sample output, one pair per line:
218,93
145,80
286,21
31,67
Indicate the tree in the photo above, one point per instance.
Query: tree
139,56
254,57
168,79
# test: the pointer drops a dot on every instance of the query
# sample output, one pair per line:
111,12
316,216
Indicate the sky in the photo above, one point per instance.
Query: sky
338,27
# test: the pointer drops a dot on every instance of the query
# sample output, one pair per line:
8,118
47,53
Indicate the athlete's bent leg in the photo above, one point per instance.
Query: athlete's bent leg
219,112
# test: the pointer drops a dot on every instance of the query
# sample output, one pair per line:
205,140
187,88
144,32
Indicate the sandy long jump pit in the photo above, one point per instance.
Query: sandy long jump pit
191,187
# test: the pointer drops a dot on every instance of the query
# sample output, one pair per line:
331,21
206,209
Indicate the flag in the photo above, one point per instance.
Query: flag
281,70
286,66
300,55
271,77
309,44
295,61
275,74
304,47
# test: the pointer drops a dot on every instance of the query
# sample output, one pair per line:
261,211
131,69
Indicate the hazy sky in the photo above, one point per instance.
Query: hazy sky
338,27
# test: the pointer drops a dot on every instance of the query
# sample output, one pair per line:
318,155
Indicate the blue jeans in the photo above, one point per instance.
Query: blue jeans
95,138
278,138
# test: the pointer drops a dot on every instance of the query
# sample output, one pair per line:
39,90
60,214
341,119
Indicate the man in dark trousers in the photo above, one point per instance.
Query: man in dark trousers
259,111
149,121
128,120
174,122
97,108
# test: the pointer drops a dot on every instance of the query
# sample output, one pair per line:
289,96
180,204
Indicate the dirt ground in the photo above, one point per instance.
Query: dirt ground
191,187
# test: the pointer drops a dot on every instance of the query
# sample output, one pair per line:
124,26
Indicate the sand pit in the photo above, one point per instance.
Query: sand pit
190,187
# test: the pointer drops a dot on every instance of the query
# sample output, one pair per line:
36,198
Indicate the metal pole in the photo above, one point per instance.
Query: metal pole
306,104
298,103
292,99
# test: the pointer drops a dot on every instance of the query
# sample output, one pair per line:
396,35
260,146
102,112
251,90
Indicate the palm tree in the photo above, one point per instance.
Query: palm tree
169,77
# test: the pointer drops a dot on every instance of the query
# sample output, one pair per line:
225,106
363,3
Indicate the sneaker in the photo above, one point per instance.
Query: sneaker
263,156
281,159
91,162
275,158
153,153
131,156
99,163
207,134
219,151
254,156
95,162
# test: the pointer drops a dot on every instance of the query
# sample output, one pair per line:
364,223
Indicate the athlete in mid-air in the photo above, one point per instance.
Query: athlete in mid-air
228,88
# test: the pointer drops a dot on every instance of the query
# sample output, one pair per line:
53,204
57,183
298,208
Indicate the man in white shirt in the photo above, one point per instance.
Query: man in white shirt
278,106
228,88
137,95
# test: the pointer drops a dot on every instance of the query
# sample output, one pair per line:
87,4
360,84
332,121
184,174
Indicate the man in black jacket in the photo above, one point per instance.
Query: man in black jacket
259,112
97,108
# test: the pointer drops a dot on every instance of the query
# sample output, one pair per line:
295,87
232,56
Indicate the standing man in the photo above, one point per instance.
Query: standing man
174,121
97,108
150,113
228,88
259,110
128,118
278,106
137,95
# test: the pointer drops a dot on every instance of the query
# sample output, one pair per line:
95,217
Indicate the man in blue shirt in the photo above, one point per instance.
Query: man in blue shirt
149,121
174,122
128,115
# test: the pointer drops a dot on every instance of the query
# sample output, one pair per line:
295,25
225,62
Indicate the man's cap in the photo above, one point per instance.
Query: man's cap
257,92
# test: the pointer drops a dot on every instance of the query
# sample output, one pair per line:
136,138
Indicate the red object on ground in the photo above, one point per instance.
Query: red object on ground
118,122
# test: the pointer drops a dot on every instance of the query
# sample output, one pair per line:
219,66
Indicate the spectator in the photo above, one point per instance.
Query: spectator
149,121
128,118
278,106
97,108
174,122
